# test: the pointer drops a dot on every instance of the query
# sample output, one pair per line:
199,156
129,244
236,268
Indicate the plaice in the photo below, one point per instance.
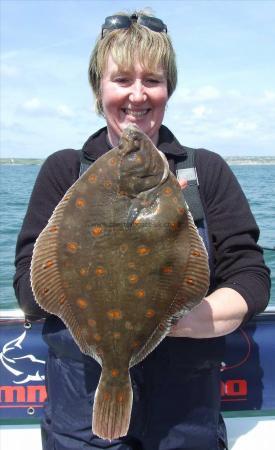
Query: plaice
118,262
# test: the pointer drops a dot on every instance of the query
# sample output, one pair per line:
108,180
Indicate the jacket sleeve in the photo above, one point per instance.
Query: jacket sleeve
57,174
233,232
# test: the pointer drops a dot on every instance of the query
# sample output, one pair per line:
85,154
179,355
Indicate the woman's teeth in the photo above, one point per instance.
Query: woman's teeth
135,113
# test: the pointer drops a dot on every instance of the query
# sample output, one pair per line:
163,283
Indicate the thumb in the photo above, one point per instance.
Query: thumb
183,183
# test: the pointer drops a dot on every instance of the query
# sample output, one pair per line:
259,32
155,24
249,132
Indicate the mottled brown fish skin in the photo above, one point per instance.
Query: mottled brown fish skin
120,259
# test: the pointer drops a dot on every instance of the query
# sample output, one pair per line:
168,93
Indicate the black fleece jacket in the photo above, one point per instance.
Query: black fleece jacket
233,232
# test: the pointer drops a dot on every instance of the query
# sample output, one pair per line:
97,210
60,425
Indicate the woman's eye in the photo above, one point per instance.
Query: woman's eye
122,80
153,80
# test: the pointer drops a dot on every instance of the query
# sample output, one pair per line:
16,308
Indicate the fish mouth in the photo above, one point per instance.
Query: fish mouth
132,135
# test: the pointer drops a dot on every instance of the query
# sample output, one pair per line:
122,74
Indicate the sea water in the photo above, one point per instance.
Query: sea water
17,180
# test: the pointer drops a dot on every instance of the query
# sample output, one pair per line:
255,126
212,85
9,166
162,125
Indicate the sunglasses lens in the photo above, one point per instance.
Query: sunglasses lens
117,22
112,22
153,23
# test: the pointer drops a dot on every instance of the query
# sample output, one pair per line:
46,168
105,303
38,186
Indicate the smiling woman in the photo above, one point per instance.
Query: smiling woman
126,46
133,96
176,401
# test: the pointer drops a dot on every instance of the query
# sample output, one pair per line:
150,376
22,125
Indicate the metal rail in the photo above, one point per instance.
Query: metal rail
6,314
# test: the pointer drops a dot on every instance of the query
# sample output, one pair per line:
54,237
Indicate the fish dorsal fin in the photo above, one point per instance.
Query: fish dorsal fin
45,276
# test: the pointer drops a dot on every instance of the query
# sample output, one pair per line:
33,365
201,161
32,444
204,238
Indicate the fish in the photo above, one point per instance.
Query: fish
120,261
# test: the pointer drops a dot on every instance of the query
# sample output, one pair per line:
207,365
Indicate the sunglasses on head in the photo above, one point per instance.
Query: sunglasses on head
118,21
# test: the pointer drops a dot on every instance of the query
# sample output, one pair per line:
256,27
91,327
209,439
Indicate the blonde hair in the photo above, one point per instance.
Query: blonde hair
126,46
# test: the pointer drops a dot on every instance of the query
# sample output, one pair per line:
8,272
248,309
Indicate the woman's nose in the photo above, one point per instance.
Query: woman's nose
138,92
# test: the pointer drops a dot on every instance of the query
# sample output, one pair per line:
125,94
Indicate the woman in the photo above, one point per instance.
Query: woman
176,388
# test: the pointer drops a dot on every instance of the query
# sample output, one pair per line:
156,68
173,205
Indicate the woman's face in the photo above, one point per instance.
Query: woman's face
134,96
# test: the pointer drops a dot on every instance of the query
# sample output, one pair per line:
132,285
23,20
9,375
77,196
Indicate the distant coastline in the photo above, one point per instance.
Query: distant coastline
250,160
21,161
231,160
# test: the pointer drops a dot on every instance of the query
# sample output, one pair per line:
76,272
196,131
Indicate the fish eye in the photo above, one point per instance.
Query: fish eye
132,156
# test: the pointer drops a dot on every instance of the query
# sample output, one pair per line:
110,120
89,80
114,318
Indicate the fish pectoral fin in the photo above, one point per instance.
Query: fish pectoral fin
133,212
112,406
146,200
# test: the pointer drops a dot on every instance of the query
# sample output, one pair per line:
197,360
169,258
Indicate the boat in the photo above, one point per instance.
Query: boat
247,386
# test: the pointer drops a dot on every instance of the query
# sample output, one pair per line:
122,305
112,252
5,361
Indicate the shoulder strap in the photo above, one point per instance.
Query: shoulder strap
84,163
185,169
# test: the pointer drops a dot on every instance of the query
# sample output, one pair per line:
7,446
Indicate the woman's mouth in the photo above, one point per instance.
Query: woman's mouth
135,113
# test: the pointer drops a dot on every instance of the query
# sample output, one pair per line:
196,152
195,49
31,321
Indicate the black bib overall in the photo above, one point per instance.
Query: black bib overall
176,404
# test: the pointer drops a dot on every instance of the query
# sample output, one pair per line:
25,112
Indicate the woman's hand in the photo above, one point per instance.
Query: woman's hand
183,183
218,314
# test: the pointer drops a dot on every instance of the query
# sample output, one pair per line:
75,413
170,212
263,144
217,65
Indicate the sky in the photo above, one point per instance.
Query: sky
224,101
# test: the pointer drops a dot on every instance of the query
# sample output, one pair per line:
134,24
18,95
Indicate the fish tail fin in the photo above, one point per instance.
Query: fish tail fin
112,407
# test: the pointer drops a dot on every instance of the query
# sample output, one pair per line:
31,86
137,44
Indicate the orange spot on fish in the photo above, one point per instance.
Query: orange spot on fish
112,162
72,247
88,287
180,210
45,290
167,191
135,344
91,323
196,253
48,264
143,250
53,229
174,226
82,303
167,270
97,337
140,293
150,313
114,314
106,396
97,230
62,299
133,278
100,271
114,373
137,221
107,184
120,397
116,335
189,281
92,178
83,271
80,202
123,248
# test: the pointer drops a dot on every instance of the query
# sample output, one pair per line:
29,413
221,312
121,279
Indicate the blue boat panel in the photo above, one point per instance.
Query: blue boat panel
248,371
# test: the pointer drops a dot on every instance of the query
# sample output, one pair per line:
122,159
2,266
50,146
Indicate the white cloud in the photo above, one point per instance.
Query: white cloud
36,106
207,93
64,111
32,105
201,111
9,71
269,96
232,121
245,126
201,94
